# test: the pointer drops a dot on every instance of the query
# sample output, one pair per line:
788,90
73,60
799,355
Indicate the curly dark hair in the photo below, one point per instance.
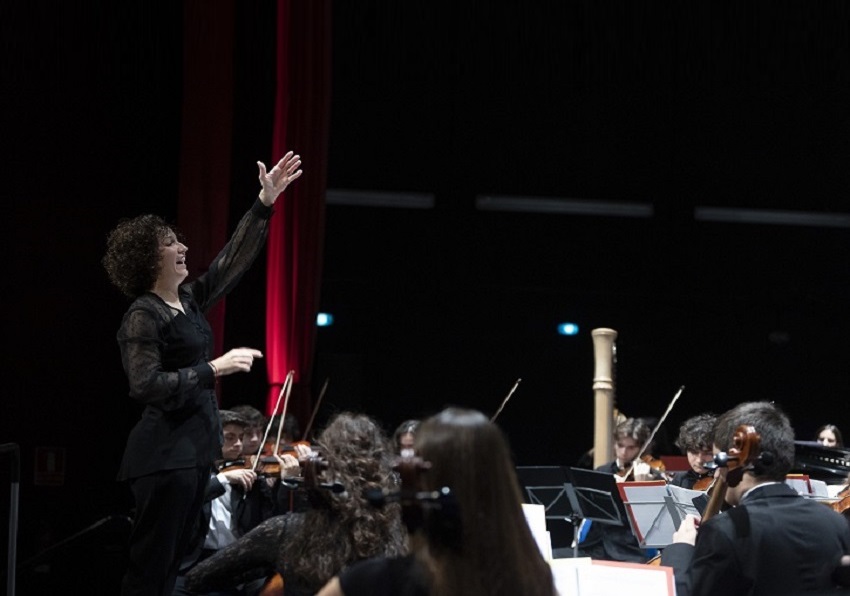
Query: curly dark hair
348,527
696,433
132,253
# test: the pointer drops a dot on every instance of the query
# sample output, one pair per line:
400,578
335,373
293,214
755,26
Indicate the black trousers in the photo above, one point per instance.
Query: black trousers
168,504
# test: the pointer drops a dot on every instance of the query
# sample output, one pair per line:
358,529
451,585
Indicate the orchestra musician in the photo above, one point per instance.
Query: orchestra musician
404,436
234,503
308,548
828,435
611,542
254,431
695,441
772,541
479,546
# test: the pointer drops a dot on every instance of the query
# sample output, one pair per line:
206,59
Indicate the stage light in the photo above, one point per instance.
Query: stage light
324,319
568,329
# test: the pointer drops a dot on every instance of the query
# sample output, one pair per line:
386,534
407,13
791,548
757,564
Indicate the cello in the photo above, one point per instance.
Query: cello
745,450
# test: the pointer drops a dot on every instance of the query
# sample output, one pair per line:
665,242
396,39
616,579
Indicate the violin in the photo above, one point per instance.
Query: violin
704,483
657,468
266,466
842,506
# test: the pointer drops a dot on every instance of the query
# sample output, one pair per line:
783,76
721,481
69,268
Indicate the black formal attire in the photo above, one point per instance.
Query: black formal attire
382,576
258,554
774,542
247,511
608,542
171,450
688,478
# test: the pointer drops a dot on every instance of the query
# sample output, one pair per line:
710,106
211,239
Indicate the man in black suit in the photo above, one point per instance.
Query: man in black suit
772,541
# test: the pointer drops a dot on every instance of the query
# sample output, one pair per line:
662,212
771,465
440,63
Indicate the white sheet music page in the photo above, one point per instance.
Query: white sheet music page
684,498
604,578
656,509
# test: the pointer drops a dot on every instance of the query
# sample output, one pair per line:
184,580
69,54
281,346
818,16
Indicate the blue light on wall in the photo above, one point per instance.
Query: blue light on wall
568,329
324,319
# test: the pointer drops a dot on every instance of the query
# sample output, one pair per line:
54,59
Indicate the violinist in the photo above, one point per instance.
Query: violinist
234,502
254,430
611,542
479,544
695,441
772,541
308,548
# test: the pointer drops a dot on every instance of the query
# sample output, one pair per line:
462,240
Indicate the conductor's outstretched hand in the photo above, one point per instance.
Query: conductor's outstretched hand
275,181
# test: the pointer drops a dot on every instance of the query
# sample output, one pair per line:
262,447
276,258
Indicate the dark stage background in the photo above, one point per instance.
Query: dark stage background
677,107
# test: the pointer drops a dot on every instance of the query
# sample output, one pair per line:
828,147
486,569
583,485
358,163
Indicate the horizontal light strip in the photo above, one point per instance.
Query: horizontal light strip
563,206
368,198
773,217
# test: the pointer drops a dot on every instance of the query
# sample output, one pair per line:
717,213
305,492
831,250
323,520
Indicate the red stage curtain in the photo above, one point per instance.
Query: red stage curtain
206,138
301,123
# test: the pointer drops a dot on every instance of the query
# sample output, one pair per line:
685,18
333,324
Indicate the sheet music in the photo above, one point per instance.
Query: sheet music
585,577
656,509
684,498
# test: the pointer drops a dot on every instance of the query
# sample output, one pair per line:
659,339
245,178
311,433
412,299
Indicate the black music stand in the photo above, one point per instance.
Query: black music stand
573,494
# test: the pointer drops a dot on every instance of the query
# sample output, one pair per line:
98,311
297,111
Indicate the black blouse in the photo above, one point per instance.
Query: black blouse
165,353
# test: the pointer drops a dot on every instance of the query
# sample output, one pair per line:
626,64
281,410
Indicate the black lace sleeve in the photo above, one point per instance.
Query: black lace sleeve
141,346
234,259
251,557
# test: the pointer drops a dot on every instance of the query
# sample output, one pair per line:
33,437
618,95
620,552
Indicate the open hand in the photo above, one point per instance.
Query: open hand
275,181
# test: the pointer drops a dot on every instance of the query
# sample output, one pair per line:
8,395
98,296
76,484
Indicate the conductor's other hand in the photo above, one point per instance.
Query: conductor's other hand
687,532
236,360
243,477
278,178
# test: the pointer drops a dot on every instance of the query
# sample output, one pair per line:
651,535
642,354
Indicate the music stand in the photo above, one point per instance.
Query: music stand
573,494
656,509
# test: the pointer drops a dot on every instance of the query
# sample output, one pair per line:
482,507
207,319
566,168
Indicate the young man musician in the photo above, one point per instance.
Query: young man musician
255,429
618,543
695,441
772,541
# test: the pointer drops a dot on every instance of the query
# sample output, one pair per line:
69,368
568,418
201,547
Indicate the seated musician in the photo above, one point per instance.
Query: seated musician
828,435
404,435
695,441
234,502
479,544
308,548
611,542
254,430
772,541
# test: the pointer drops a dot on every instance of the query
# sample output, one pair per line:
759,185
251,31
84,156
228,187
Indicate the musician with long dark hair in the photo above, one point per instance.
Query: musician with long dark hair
478,543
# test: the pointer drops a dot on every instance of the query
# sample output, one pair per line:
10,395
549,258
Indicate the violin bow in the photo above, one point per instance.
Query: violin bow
505,401
289,377
284,389
654,430
315,409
